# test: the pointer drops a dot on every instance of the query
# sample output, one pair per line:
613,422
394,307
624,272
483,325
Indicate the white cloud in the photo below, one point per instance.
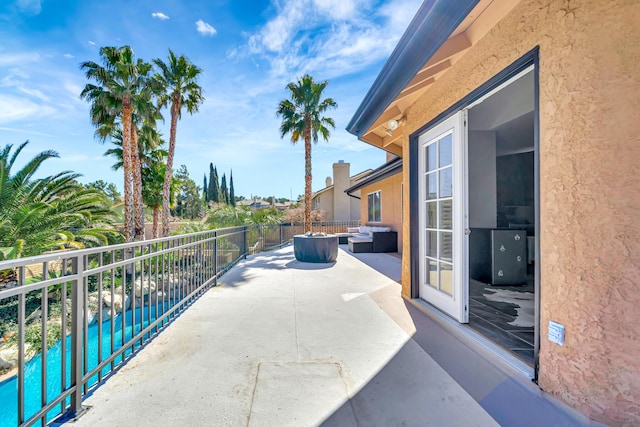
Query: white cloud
76,158
68,56
399,13
30,6
13,109
338,9
92,43
10,58
16,79
73,89
160,15
277,32
6,129
329,37
205,29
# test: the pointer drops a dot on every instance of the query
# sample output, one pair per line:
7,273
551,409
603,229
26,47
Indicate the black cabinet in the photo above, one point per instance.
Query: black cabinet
498,257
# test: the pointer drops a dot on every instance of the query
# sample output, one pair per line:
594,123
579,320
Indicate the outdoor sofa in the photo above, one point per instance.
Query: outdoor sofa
373,239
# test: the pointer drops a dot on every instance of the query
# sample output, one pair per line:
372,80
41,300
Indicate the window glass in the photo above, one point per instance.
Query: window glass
445,151
432,273
446,246
432,185
432,158
446,278
446,182
373,207
432,215
431,246
446,214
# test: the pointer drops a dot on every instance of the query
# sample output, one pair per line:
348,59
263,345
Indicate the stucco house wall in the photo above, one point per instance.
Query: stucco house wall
341,202
355,208
333,201
325,203
391,204
589,79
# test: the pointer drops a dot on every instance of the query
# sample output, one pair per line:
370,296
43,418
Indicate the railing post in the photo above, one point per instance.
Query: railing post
280,226
215,256
245,241
21,347
77,321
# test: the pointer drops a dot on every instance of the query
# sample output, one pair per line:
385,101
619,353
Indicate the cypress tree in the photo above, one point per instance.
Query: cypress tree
224,192
205,189
211,186
232,194
215,194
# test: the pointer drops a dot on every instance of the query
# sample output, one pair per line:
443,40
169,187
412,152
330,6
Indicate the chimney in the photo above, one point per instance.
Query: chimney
341,202
328,182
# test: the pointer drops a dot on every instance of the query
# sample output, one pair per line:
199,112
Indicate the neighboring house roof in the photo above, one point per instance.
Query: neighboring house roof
403,73
325,189
355,177
285,205
361,175
390,168
252,203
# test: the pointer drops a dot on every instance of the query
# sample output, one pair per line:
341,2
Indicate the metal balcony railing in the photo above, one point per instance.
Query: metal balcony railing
71,318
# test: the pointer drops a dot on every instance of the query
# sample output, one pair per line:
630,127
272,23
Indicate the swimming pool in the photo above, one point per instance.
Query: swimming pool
33,368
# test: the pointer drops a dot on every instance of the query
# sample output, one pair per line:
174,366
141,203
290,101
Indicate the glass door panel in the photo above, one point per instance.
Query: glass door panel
441,218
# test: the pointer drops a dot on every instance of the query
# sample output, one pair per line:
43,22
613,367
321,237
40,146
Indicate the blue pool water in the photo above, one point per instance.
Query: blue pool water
33,368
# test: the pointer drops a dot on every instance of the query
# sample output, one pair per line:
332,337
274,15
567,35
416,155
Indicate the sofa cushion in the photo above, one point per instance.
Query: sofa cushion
367,229
360,238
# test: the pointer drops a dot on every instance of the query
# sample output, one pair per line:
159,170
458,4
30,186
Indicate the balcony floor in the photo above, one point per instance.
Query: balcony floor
284,343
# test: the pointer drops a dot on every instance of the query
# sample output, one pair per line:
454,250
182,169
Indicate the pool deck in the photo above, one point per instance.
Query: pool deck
285,343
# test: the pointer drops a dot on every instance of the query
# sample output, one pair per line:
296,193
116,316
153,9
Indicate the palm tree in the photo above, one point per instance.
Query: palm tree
123,86
152,163
302,117
153,178
145,137
179,78
55,212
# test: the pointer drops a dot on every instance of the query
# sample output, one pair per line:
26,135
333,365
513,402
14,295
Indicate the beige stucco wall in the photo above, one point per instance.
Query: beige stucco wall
391,204
341,201
590,188
326,203
354,207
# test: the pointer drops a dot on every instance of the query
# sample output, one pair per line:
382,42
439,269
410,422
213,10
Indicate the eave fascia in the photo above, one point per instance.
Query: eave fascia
389,169
432,25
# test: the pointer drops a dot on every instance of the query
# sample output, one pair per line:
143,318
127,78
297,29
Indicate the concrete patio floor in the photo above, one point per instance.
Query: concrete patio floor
285,343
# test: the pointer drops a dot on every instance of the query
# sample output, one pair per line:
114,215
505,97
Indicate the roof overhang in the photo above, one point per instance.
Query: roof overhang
323,190
439,35
388,169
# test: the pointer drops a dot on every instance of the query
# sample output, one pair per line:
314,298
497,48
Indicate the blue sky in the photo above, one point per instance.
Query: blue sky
248,50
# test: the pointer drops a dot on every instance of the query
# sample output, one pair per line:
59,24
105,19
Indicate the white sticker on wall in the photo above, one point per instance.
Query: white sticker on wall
556,332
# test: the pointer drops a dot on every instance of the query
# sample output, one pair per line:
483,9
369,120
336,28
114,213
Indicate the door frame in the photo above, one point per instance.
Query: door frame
521,64
456,305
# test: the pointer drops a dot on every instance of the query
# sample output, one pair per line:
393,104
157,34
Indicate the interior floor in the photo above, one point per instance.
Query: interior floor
505,315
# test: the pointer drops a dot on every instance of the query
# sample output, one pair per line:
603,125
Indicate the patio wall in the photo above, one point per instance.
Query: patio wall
391,203
590,197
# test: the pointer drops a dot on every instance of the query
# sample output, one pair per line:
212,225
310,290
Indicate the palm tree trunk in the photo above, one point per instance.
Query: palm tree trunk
138,206
156,217
307,178
128,174
175,110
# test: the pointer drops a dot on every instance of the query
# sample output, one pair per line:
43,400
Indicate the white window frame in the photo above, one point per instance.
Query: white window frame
379,193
